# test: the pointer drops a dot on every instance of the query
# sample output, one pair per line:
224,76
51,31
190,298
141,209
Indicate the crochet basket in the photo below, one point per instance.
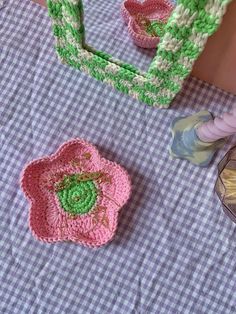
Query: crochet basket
187,30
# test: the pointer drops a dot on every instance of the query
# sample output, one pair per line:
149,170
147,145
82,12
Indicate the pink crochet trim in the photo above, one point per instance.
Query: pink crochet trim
75,195
152,10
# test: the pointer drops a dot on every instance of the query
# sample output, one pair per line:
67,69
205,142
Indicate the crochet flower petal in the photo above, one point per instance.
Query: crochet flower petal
75,195
140,17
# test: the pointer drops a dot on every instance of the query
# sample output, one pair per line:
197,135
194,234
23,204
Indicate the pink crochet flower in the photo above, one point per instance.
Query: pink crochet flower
75,195
136,13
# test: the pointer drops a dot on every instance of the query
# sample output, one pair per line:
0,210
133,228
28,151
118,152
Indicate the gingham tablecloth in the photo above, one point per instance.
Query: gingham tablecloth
175,250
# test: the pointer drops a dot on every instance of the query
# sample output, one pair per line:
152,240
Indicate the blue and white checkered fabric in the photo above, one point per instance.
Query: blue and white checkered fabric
175,250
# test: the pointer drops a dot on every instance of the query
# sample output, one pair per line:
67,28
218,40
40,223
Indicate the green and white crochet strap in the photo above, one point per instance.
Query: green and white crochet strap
186,32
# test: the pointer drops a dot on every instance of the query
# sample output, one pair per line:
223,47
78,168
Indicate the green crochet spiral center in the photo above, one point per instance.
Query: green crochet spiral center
79,197
156,28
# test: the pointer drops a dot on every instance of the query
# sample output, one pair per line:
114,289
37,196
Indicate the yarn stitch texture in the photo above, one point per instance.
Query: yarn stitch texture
186,32
146,20
75,195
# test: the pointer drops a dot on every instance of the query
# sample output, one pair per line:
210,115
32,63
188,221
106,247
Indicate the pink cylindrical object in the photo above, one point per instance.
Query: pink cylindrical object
218,128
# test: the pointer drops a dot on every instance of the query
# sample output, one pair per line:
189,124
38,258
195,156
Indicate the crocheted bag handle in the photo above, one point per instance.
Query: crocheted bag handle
187,30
